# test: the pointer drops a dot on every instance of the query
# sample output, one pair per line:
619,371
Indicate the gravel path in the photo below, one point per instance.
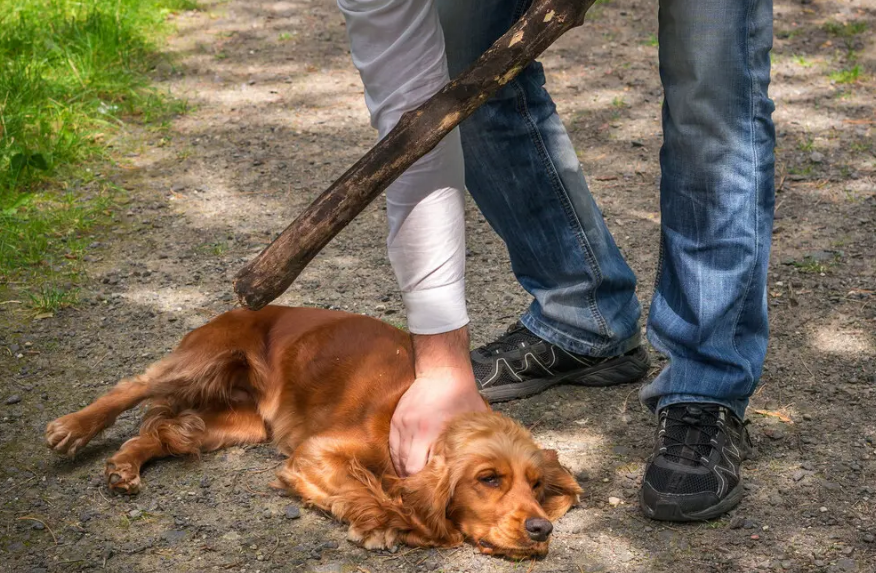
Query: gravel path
277,114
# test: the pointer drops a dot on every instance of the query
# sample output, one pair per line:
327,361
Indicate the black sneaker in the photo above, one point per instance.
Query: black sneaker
521,364
694,473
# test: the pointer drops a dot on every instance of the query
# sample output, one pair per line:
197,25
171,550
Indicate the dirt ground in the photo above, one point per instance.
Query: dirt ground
278,114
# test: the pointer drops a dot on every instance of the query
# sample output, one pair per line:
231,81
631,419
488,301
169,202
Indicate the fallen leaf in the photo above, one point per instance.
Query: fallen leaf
43,316
775,414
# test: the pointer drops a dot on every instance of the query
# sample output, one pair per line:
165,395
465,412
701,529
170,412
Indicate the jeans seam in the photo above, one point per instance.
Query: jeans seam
571,216
753,141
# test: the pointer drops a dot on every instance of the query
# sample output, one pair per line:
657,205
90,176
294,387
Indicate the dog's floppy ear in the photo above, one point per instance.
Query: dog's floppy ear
561,491
428,494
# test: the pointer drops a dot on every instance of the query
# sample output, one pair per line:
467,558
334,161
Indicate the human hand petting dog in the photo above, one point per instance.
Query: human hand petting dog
444,387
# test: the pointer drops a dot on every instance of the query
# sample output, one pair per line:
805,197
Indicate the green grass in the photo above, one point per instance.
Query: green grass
847,75
49,298
70,73
802,61
845,30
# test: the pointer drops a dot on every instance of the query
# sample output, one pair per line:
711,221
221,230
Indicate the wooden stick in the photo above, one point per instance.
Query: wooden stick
268,275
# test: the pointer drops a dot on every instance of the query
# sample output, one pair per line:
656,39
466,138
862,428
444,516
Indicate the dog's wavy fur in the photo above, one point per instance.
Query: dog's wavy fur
323,385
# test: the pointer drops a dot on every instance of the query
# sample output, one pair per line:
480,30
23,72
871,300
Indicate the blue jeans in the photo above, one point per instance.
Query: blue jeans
709,312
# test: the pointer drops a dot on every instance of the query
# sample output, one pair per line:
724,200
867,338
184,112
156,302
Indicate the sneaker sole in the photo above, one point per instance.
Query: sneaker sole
668,510
620,370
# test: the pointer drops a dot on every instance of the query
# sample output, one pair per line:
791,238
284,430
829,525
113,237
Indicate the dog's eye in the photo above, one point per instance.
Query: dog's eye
491,480
536,485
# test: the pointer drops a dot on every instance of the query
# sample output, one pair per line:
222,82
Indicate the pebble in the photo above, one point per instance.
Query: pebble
816,157
135,514
173,535
822,509
869,538
614,501
799,475
267,513
736,522
292,511
14,399
846,565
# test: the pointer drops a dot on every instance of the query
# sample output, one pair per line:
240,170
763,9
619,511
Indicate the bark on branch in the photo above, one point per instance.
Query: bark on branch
268,275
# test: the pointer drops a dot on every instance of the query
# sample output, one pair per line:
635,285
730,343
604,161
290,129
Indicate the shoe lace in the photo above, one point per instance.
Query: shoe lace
689,432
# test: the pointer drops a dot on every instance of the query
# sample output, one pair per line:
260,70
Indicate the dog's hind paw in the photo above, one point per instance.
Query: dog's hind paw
122,478
67,435
374,539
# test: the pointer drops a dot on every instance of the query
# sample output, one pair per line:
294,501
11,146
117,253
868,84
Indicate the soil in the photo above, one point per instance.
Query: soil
277,114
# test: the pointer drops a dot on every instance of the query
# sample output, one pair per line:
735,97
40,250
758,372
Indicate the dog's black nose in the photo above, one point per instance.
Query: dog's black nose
538,529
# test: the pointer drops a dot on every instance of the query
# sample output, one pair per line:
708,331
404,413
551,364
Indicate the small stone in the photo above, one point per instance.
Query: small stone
614,501
786,564
816,157
330,545
135,514
808,466
736,522
205,482
38,526
292,512
807,417
869,538
267,513
173,535
822,509
748,524
798,475
846,564
14,399
755,537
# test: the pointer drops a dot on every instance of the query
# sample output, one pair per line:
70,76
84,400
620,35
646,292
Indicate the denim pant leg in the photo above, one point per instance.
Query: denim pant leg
522,171
709,312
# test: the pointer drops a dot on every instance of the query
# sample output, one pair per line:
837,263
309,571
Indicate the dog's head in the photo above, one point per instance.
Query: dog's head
489,481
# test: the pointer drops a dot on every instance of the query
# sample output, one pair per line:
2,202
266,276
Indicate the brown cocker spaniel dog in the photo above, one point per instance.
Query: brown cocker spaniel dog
323,385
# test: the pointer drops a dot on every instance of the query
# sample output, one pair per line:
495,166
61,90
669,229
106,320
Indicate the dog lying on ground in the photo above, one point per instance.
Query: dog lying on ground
323,386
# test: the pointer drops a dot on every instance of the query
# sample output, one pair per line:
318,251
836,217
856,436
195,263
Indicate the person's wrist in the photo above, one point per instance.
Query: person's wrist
447,352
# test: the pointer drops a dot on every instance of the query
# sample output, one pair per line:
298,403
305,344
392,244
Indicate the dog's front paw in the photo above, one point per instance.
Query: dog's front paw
67,435
374,538
122,477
